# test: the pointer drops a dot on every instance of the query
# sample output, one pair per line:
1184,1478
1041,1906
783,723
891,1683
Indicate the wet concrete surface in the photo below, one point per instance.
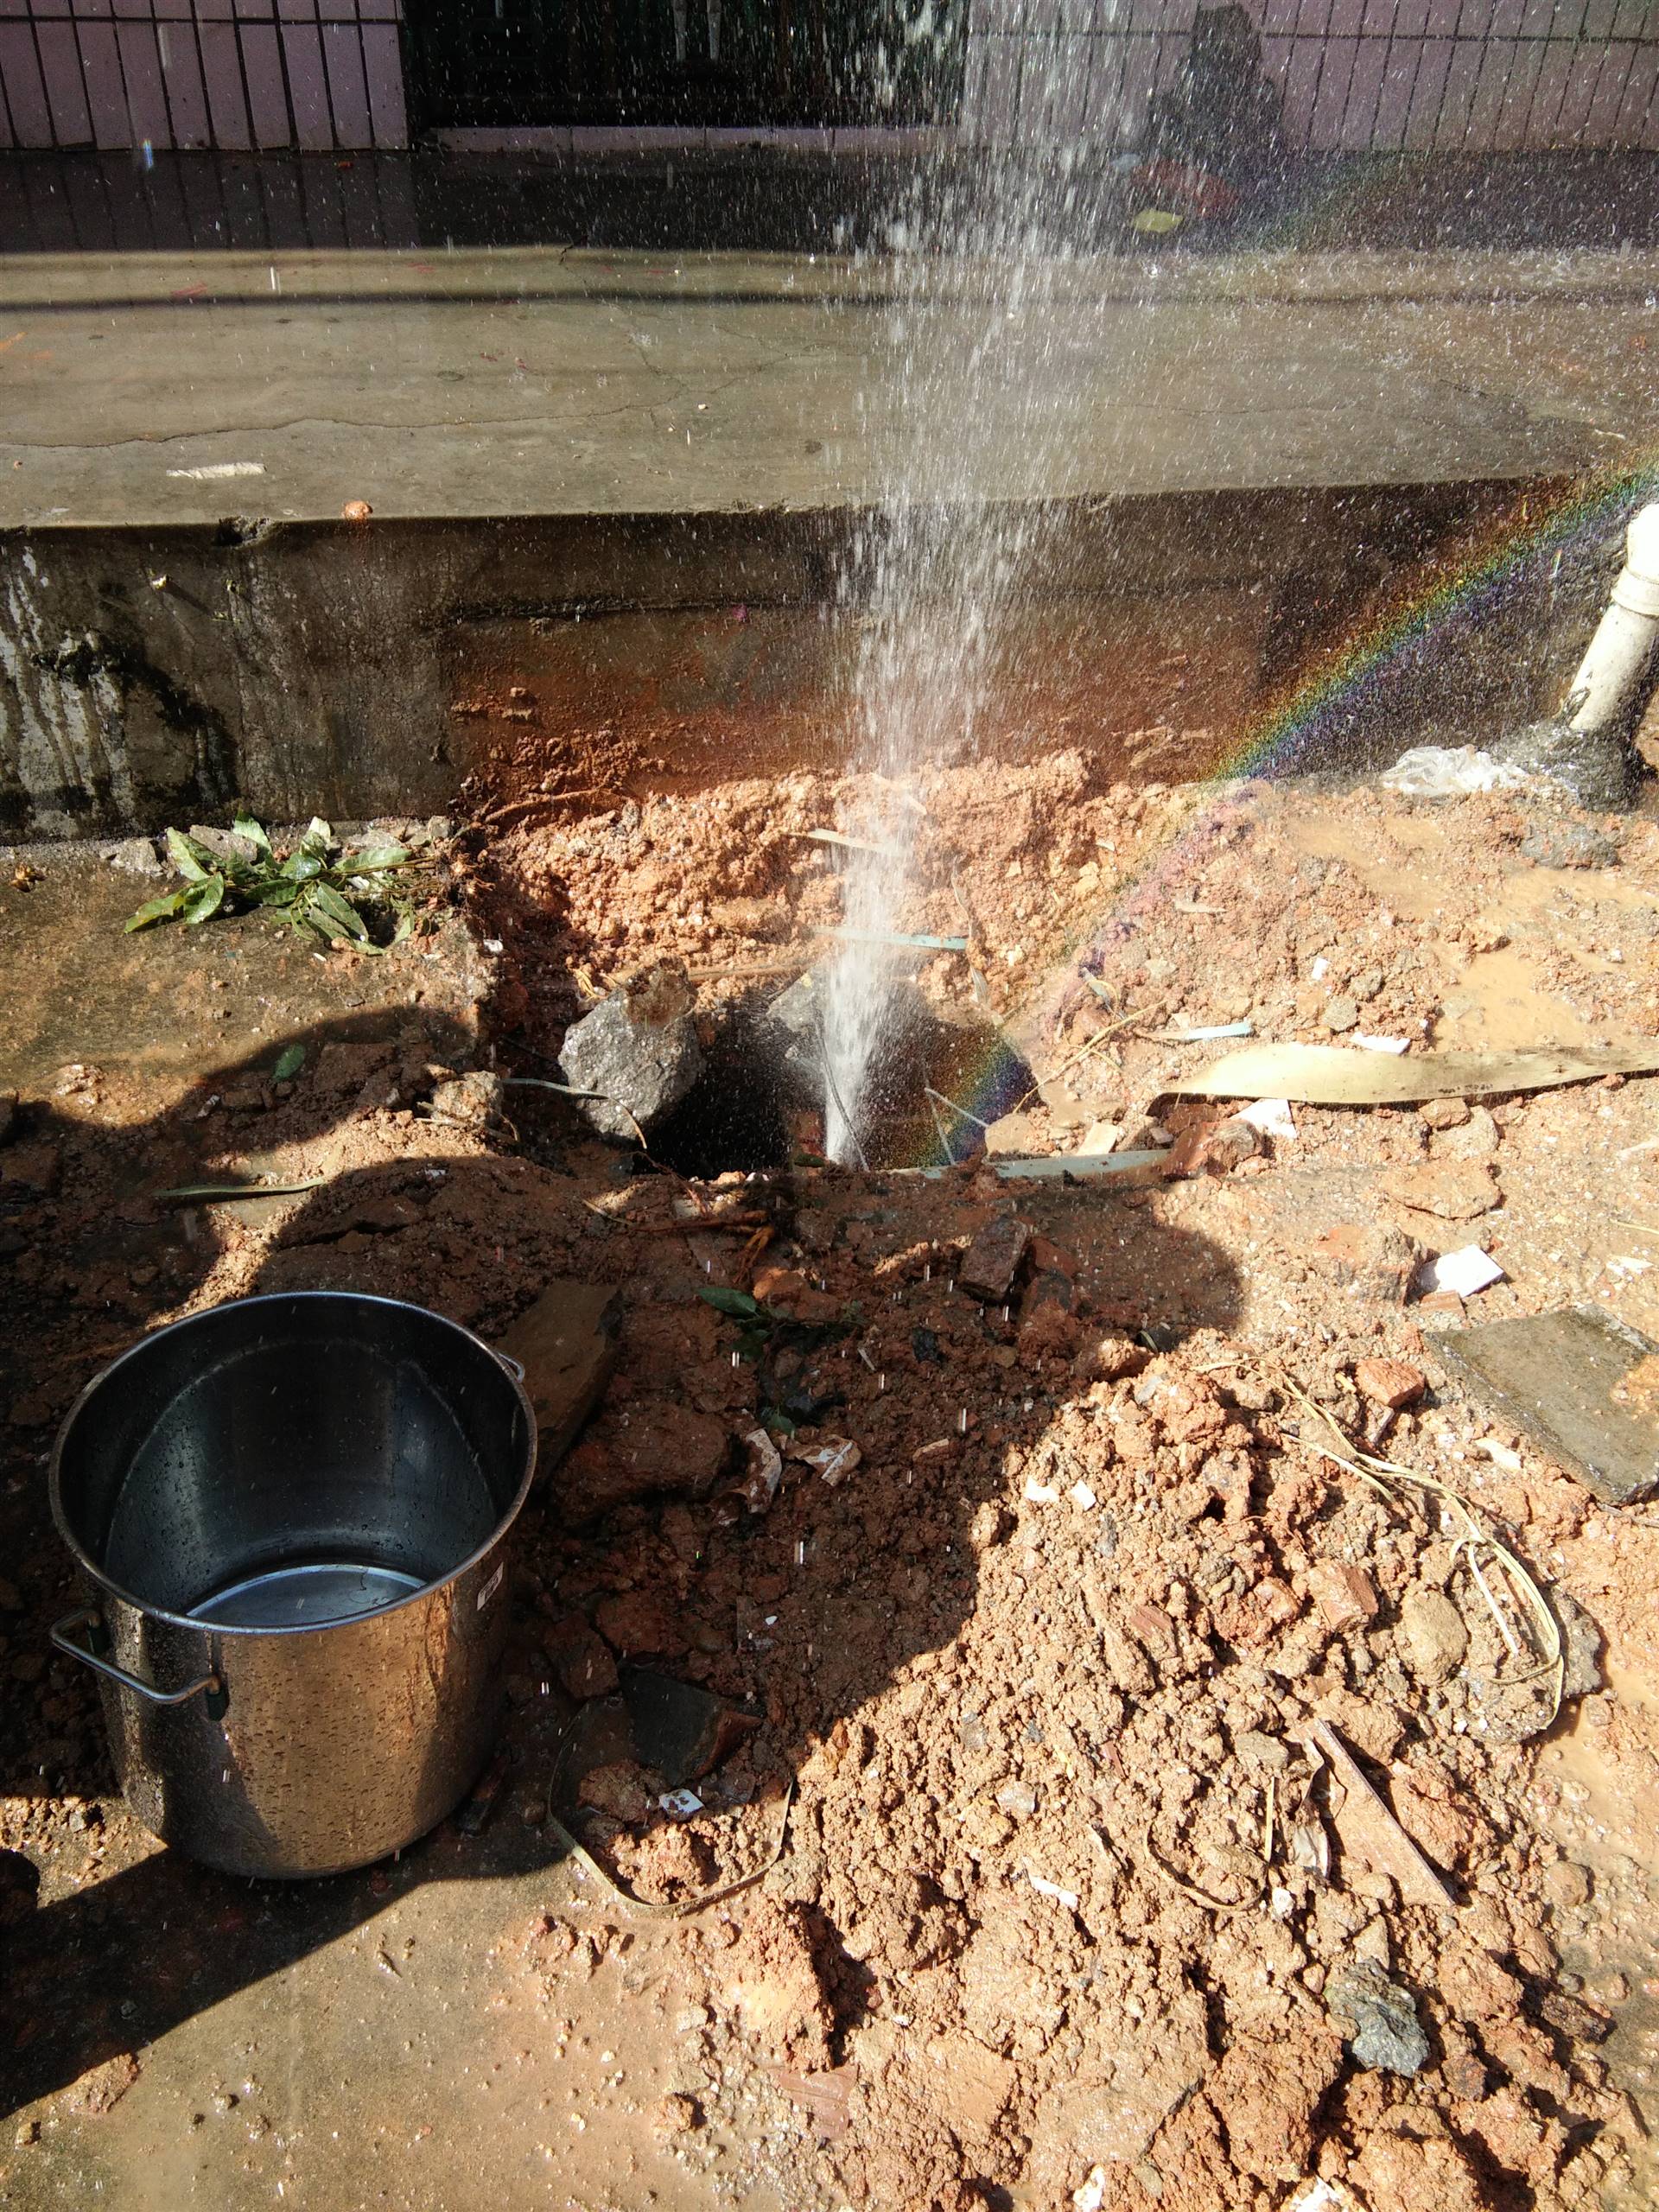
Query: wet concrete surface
557,381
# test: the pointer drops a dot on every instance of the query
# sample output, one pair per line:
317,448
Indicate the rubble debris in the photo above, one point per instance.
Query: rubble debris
1344,1593
992,1261
679,1730
1330,1075
1461,1273
1569,844
1212,1147
1389,1383
472,1101
1367,1827
1436,1635
1453,1190
637,1051
831,1459
565,1344
619,1790
1387,2037
580,1658
1583,1385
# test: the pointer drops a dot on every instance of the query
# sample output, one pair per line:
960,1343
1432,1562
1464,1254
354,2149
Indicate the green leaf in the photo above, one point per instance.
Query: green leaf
158,910
274,891
318,837
189,858
202,900
245,826
376,856
290,1061
326,899
738,1303
301,867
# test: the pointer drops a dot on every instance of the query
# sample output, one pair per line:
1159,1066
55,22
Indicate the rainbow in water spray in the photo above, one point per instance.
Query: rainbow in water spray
1290,730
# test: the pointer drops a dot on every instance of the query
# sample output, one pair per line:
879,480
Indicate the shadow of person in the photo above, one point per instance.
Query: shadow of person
805,1614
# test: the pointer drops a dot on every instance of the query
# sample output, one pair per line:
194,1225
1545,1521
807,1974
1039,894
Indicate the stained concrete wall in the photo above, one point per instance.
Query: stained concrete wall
157,675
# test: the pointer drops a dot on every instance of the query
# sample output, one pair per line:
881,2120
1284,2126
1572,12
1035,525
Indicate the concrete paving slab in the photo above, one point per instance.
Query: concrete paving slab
179,389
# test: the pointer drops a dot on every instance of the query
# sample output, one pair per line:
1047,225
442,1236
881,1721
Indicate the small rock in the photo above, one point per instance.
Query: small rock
1567,1885
1465,2076
786,1291
223,844
1339,1013
1387,2037
1212,1149
637,1622
992,1261
1569,844
1452,1190
1581,1645
1572,2016
1262,1751
134,856
580,1658
1345,1594
1475,1138
29,2131
1444,1113
764,918
475,1100
1436,1636
1378,1259
1017,1800
638,1049
102,2087
676,2115
1389,1383
618,1790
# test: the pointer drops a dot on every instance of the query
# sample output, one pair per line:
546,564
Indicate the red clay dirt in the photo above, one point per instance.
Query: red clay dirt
1066,1908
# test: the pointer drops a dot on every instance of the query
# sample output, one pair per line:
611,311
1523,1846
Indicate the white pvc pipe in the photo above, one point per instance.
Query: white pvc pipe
1618,666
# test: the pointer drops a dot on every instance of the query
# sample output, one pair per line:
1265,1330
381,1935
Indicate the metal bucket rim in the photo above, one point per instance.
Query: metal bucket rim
89,1566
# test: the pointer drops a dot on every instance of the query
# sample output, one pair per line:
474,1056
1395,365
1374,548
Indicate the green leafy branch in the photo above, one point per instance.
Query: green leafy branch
316,887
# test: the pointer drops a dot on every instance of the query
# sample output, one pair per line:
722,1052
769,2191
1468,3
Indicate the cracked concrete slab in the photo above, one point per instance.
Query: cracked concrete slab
556,382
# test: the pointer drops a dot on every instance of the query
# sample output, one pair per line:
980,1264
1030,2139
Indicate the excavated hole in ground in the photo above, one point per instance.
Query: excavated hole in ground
759,1101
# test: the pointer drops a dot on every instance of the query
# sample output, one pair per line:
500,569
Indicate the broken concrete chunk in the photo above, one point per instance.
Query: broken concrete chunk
1375,1258
565,1344
1387,2034
1569,844
638,1051
1581,1384
992,1261
1453,1190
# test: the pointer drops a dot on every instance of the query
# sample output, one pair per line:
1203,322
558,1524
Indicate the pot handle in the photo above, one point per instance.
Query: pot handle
88,1618
514,1367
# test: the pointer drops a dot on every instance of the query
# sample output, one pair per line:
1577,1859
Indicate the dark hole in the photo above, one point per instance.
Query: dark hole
759,1104
732,1116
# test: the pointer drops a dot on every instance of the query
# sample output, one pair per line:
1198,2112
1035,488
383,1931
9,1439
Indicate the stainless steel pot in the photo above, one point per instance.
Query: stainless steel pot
293,1513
